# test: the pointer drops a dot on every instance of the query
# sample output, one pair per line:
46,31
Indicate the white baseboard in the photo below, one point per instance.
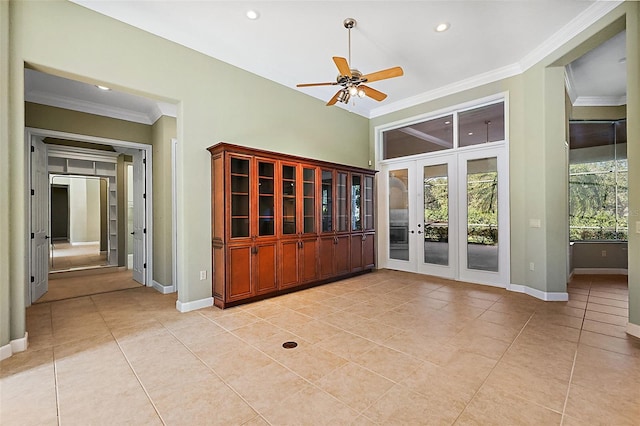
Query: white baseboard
633,329
130,261
601,271
14,346
164,289
84,243
539,294
196,304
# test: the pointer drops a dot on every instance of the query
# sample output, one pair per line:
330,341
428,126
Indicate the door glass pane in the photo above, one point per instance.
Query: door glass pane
399,214
482,214
239,197
327,201
481,125
356,214
341,202
265,198
368,202
436,214
288,199
309,199
419,138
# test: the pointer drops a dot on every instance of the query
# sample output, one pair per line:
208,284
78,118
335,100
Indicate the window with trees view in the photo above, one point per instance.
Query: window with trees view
598,190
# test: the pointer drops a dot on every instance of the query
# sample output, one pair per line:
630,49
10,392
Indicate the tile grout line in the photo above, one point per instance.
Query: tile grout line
144,389
575,357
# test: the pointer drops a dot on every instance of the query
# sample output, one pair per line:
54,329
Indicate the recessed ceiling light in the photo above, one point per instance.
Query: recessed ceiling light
253,15
105,88
470,133
440,28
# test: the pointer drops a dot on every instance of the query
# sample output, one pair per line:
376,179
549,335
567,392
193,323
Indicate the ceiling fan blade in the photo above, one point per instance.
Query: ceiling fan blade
316,84
373,93
384,74
334,99
343,66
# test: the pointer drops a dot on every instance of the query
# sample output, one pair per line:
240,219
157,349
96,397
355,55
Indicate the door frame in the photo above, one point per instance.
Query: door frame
43,133
457,224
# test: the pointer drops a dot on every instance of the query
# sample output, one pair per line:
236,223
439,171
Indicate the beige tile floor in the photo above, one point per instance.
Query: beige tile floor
383,348
65,256
67,285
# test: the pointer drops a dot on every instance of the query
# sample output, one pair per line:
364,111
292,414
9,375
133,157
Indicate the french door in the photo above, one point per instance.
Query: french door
447,215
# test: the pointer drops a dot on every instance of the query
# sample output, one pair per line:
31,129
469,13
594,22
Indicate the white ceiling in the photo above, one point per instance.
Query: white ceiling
293,42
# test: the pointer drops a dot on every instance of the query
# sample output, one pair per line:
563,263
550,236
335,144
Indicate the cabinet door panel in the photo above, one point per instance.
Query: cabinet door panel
326,257
289,263
369,251
239,283
341,255
356,253
308,261
265,268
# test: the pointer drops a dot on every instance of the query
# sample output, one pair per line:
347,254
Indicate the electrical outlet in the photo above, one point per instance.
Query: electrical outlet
604,253
203,275
532,267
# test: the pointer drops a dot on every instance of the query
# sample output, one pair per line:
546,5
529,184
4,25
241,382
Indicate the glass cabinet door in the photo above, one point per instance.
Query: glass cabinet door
342,223
288,199
327,201
239,197
356,202
309,199
266,201
367,204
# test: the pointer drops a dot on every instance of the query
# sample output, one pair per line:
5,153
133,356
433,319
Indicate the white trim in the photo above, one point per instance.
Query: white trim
577,25
174,213
14,346
196,304
580,23
32,131
43,98
450,89
600,101
633,329
164,289
539,294
600,271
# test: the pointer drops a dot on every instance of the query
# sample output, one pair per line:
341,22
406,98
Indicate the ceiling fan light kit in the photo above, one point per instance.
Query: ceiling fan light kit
352,79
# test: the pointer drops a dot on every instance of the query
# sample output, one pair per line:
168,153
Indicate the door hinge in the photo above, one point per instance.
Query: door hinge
144,161
33,279
33,192
33,235
144,196
144,231
144,266
33,148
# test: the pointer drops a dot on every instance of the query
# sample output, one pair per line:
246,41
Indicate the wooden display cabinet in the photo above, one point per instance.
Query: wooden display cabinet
281,223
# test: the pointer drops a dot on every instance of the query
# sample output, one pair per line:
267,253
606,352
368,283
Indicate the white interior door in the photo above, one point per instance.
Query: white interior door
139,215
39,219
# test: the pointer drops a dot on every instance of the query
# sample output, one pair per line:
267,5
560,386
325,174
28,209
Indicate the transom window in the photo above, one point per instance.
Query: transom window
461,128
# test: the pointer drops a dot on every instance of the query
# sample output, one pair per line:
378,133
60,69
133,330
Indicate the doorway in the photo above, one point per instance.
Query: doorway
447,215
72,161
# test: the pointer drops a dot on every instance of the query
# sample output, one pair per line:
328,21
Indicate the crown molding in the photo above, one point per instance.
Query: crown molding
466,84
580,23
577,25
44,98
585,101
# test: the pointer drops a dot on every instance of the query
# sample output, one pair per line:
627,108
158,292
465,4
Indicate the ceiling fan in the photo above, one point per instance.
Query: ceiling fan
352,80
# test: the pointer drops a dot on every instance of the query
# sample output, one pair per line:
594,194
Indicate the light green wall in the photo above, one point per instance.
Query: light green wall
5,275
65,120
217,102
163,130
598,113
633,153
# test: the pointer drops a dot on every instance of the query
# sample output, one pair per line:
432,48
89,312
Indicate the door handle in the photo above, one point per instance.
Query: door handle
46,237
419,232
412,231
133,233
